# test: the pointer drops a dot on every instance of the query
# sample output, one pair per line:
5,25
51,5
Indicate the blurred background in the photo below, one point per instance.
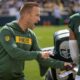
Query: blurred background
54,16
53,12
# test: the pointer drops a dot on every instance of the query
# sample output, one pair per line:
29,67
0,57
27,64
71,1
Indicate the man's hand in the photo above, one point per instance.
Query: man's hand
69,66
46,54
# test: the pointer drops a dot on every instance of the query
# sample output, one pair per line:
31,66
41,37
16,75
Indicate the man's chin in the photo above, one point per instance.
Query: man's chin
32,27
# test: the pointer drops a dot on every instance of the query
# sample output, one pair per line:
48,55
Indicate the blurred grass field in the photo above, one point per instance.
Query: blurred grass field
45,39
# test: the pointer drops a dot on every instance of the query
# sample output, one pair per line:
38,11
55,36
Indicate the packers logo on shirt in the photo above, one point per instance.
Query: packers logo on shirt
23,40
7,38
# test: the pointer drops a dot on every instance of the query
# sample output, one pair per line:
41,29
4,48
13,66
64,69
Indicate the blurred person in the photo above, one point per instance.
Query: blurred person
71,8
1,9
18,3
57,13
77,6
18,44
12,10
74,42
65,2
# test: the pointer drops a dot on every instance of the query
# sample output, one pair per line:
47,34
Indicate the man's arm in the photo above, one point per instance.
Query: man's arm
54,63
74,51
46,62
14,51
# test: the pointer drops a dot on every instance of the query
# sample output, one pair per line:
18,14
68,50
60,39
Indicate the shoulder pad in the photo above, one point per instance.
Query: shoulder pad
75,18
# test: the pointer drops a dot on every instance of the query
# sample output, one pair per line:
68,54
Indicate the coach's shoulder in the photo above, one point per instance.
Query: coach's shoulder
5,30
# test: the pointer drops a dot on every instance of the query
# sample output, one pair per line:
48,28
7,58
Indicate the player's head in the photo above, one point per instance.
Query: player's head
74,19
31,10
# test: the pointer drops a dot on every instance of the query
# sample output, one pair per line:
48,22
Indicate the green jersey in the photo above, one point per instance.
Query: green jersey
74,25
17,46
